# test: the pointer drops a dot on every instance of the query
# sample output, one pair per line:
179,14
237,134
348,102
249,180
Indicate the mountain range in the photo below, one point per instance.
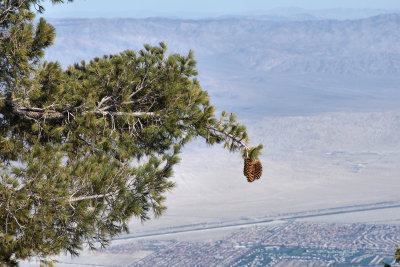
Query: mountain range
261,67
354,47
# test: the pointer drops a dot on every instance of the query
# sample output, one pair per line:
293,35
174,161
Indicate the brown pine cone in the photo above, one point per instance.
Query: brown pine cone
257,167
248,170
248,167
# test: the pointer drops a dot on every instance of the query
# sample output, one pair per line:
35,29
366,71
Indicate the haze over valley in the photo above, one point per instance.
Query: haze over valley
322,96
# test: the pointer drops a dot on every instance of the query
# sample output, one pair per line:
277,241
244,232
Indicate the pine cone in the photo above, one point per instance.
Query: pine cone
248,170
252,169
248,167
257,166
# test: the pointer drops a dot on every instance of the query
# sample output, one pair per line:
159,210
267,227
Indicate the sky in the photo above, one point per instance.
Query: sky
198,8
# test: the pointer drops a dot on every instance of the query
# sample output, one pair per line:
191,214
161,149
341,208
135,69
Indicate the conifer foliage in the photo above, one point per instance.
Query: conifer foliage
82,150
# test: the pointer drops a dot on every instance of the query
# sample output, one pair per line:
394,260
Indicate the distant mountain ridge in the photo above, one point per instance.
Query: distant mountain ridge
319,14
352,47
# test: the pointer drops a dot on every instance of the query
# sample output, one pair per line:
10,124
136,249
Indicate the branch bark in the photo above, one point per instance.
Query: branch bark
48,114
36,113
75,199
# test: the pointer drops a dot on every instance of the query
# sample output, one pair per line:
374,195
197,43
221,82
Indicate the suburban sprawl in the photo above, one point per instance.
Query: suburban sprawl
285,243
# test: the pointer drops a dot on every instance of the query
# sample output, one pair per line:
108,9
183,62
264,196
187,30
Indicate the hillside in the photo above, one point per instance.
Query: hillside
365,46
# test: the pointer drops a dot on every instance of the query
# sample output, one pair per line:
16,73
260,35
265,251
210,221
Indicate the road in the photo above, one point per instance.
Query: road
257,221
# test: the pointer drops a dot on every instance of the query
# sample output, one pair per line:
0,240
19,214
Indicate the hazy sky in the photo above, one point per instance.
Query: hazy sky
185,8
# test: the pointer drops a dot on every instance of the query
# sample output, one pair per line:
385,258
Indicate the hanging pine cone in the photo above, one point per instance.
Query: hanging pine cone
257,166
252,169
252,166
248,170
248,167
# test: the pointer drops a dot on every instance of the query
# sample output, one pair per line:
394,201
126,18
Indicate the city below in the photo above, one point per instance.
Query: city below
289,240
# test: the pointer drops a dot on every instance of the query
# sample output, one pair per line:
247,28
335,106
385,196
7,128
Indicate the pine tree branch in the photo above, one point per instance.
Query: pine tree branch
132,114
240,142
76,199
36,113
46,114
12,8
